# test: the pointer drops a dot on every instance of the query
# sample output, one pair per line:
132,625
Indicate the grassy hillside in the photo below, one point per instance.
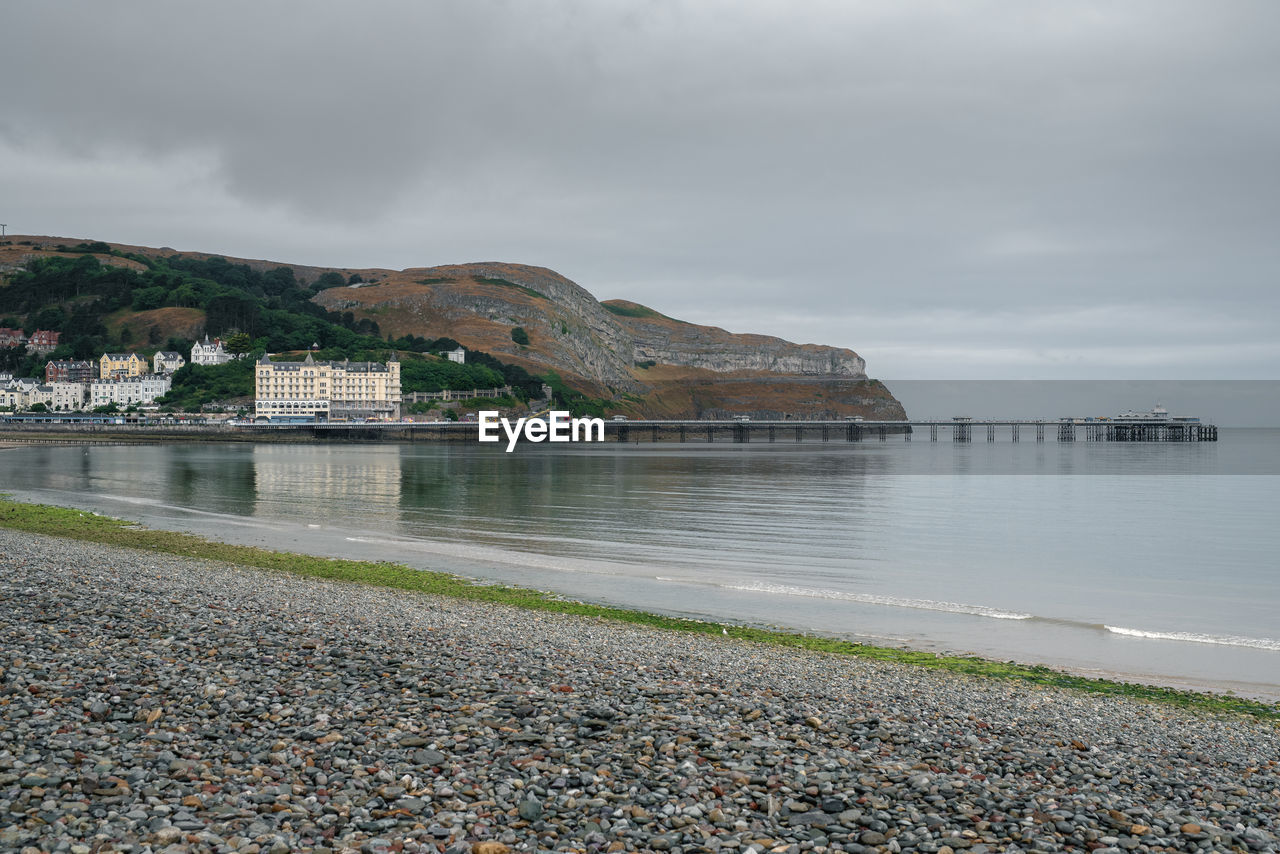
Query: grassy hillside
105,299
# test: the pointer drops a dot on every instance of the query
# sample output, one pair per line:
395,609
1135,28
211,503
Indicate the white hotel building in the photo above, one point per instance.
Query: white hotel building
327,390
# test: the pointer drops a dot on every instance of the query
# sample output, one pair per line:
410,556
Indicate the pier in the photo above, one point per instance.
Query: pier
633,431
882,431
791,431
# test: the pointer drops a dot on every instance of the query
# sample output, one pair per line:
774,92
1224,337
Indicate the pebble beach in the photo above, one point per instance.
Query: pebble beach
155,703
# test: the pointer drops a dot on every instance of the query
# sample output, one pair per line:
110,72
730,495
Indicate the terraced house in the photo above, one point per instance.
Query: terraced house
69,371
333,391
59,396
128,391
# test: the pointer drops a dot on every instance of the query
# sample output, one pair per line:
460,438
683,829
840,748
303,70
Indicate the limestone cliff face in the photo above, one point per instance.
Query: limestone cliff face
672,342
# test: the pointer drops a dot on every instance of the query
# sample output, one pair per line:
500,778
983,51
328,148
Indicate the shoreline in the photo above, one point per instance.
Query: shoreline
995,661
89,526
154,699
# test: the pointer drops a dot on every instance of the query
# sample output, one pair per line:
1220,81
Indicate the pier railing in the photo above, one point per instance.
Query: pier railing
743,432
633,431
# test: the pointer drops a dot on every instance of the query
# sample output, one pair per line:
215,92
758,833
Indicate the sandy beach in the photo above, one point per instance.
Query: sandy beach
149,702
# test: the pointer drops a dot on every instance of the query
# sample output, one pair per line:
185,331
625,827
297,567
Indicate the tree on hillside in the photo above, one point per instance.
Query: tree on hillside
184,295
178,345
329,280
519,336
50,317
145,299
238,344
231,311
277,280
11,358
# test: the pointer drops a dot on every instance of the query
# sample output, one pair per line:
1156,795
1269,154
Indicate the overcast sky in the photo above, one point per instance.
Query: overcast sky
953,189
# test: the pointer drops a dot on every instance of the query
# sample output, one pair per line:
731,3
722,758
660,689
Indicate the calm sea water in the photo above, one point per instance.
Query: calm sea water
1159,562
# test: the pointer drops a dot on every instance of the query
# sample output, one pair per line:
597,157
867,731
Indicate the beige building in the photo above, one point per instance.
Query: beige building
16,394
121,365
329,391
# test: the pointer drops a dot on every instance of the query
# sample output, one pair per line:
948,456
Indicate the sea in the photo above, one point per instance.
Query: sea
1149,562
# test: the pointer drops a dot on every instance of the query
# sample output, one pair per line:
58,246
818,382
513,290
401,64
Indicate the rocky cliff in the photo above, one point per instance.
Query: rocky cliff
658,338
480,304
648,363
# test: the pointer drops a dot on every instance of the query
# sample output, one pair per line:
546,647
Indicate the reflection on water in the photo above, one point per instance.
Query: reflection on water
1157,542
301,481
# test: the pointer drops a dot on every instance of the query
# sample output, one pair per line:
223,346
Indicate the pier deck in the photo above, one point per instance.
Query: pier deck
825,431
633,431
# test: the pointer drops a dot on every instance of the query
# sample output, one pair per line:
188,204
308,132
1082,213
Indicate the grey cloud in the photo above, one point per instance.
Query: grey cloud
817,159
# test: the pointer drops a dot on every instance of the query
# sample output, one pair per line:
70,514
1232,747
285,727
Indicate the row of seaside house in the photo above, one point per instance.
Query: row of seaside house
125,379
24,393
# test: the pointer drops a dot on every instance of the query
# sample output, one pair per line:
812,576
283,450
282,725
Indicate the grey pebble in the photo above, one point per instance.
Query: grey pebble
153,703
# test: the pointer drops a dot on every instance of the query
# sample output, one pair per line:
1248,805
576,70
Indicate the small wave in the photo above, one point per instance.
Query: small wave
877,599
1196,637
492,555
134,499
